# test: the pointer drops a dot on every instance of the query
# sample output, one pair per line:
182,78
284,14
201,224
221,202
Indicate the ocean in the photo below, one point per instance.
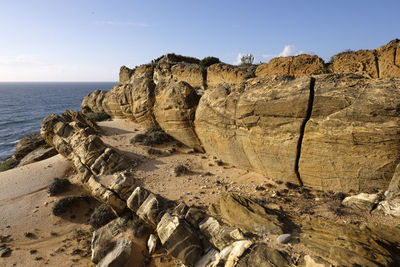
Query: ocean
23,106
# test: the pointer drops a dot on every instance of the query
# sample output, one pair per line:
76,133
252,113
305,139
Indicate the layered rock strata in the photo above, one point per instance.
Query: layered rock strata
330,132
74,137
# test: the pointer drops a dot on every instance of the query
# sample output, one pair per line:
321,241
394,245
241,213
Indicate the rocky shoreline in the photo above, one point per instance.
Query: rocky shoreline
325,135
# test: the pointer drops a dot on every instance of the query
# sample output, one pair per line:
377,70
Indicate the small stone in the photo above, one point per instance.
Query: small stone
35,210
152,244
285,238
5,252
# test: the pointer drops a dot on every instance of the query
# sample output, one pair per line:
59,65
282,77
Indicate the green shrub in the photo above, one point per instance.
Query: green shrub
102,215
208,61
45,146
8,164
153,136
247,60
98,116
58,186
67,203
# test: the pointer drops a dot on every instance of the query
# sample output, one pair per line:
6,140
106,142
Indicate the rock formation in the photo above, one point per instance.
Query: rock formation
250,125
382,62
329,131
297,66
351,140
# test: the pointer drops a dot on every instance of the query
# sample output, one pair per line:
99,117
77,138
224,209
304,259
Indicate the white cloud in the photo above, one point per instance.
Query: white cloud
122,23
238,59
289,50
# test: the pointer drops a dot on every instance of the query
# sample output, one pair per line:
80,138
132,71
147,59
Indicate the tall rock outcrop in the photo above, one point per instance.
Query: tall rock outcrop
383,62
256,125
175,110
93,102
297,66
332,132
362,62
352,138
224,73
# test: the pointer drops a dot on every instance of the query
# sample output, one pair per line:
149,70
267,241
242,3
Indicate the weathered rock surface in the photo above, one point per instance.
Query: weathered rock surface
249,216
119,255
37,155
125,74
141,100
256,125
111,102
350,245
193,74
93,102
219,235
73,136
104,238
136,199
262,255
223,73
390,207
382,62
179,239
351,140
312,261
362,62
297,66
362,201
150,209
175,111
28,144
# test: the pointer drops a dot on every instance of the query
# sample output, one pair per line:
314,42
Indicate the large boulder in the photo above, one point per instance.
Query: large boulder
248,215
389,59
362,62
349,245
193,74
141,99
382,62
179,239
256,125
351,140
93,102
262,255
223,73
297,66
125,74
111,102
175,111
28,144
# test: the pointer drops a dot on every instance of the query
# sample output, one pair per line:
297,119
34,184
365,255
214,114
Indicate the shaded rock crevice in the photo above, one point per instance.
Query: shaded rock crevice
302,130
377,63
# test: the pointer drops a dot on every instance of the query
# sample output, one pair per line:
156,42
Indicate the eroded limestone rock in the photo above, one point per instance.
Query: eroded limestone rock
349,245
362,201
179,239
256,125
249,216
262,255
219,235
175,111
223,73
297,66
351,140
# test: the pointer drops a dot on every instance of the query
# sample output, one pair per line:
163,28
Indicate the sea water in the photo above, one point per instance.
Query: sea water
23,106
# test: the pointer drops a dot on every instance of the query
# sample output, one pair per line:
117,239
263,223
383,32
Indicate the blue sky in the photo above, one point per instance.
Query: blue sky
89,40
